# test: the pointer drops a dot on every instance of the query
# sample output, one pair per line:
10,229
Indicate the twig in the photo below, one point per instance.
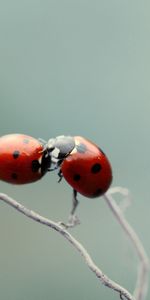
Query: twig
123,293
142,278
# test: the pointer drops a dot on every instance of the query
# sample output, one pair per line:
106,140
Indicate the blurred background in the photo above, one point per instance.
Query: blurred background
75,68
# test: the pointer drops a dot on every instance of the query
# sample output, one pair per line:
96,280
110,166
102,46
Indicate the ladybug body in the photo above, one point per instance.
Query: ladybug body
87,169
82,163
22,159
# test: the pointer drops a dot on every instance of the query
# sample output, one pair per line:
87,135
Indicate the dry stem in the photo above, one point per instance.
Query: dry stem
143,268
123,293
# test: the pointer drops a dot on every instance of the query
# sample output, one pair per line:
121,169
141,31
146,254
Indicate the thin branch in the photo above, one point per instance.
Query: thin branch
142,278
123,293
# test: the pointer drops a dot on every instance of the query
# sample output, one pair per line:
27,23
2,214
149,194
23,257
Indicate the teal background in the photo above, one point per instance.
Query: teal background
79,68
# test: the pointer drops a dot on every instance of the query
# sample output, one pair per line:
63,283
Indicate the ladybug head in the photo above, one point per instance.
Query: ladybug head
59,148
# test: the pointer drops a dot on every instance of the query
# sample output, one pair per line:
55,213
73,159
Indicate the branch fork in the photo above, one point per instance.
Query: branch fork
142,278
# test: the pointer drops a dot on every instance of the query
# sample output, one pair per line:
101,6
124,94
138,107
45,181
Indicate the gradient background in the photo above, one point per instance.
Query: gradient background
79,68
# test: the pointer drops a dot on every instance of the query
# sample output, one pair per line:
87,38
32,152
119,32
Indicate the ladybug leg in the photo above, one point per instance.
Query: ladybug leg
60,175
73,219
75,202
51,169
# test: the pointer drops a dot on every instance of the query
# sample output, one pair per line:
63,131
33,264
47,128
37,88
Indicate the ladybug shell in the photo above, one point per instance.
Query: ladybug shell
87,169
20,159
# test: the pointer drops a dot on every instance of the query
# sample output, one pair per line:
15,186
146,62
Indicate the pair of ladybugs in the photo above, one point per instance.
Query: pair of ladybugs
24,159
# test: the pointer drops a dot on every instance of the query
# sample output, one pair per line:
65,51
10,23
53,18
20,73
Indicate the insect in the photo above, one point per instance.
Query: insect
22,159
83,165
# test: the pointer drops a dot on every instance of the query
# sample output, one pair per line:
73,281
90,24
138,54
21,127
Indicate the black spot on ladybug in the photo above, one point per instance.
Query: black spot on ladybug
98,192
76,177
35,165
96,168
81,148
101,151
16,154
26,141
46,163
14,176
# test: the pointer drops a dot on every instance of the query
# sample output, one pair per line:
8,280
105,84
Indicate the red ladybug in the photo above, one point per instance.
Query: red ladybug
82,163
87,169
22,159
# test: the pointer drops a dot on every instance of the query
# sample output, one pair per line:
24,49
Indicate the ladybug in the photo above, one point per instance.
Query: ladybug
83,165
22,159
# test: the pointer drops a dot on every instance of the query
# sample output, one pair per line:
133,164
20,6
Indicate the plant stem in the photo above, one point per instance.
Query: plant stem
143,268
123,293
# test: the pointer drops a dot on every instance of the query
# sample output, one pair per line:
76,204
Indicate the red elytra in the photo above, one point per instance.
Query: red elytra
87,169
21,159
